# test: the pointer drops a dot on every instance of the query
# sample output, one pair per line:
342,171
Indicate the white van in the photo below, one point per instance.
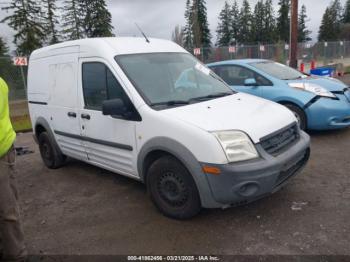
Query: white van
152,112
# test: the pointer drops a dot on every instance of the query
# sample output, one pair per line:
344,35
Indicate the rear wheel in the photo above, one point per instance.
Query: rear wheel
173,189
299,114
51,156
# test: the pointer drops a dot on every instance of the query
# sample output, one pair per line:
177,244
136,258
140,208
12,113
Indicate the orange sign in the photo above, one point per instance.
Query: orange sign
197,51
20,61
232,49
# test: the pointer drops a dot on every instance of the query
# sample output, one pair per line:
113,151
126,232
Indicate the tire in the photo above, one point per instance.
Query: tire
172,188
299,114
50,154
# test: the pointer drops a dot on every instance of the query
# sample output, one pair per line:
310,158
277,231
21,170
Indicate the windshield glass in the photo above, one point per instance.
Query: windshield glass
171,79
278,70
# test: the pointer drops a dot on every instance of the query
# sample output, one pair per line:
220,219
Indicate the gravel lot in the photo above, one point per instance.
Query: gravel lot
84,210
81,209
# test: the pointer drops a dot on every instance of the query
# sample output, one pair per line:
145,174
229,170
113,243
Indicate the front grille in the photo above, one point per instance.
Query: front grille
276,143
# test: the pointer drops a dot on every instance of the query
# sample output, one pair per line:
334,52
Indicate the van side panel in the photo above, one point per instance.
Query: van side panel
54,79
38,77
62,84
38,92
63,103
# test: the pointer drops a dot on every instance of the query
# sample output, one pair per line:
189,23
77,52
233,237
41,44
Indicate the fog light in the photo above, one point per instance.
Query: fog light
248,189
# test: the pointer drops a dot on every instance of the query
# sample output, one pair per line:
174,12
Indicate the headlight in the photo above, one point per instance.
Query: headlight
237,145
313,88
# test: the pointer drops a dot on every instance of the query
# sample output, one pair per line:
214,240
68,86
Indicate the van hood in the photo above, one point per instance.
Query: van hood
255,116
331,84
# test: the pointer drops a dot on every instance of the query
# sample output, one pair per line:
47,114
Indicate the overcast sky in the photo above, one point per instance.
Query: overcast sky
158,18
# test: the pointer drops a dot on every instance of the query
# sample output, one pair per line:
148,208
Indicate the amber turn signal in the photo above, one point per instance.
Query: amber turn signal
211,170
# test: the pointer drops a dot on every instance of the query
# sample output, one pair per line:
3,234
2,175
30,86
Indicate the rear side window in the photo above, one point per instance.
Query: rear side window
236,75
99,84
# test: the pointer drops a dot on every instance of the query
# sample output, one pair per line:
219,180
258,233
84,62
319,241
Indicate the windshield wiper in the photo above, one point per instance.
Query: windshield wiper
296,78
171,103
212,96
299,77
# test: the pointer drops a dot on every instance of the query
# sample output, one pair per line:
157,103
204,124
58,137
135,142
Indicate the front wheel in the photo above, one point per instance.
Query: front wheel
299,114
172,188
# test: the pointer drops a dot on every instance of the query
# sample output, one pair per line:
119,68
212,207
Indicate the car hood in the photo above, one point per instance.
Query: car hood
255,116
331,84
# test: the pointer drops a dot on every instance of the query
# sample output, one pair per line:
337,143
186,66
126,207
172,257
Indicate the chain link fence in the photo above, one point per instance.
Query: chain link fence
322,52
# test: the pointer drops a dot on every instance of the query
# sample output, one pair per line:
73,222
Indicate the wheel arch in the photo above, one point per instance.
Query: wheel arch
159,146
287,102
41,125
292,102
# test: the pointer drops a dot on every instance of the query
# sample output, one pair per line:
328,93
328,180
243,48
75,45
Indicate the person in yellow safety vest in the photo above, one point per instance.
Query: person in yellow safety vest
11,234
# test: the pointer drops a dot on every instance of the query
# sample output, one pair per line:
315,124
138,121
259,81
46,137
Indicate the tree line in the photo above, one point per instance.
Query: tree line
258,24
37,23
240,24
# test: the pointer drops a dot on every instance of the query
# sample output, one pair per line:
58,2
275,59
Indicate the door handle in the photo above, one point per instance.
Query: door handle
86,116
72,114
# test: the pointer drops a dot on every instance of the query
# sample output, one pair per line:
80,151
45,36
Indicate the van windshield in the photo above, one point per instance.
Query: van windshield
171,79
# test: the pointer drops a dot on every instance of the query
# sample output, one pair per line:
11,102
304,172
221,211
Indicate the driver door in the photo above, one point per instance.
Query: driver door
109,142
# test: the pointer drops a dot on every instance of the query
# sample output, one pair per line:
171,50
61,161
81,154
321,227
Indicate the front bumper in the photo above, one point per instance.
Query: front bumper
245,182
328,113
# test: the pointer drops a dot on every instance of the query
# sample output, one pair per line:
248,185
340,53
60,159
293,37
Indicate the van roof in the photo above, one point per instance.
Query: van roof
114,45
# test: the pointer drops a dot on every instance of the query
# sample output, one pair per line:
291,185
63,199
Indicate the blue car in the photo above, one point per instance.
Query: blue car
319,103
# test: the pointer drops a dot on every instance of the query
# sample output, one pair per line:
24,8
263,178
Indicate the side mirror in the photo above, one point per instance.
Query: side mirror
250,82
114,107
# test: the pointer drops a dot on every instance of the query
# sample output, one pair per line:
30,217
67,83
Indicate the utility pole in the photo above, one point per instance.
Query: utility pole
293,57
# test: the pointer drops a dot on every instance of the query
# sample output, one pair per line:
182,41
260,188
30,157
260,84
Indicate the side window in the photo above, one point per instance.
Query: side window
94,85
262,81
99,84
236,75
114,89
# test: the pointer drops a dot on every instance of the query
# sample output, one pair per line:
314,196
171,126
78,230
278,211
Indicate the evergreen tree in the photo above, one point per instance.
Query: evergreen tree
245,23
235,18
224,31
51,21
72,20
3,48
5,62
346,17
337,8
303,32
25,21
97,19
337,15
269,23
258,21
188,37
325,33
330,28
200,26
283,20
